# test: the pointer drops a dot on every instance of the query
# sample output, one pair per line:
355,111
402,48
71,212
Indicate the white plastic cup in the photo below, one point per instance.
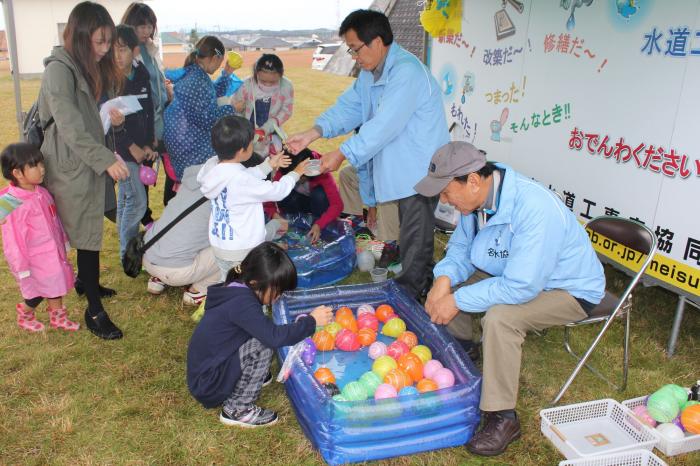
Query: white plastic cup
313,168
379,274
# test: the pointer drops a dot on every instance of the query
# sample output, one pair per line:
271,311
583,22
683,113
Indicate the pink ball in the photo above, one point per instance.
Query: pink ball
368,320
430,367
397,349
643,415
444,378
347,340
385,390
147,175
376,350
365,309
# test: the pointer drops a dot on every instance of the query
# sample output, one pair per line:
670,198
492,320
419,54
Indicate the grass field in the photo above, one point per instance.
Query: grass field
75,399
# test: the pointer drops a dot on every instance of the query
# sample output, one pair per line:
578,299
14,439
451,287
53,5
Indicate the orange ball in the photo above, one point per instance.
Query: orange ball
343,312
367,336
398,379
426,385
323,340
690,418
347,322
412,365
383,312
409,338
324,375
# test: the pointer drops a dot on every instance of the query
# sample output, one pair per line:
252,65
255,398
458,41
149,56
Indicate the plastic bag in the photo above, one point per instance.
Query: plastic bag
293,355
442,17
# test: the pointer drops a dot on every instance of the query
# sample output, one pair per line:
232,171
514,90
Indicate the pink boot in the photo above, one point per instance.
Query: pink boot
59,319
26,319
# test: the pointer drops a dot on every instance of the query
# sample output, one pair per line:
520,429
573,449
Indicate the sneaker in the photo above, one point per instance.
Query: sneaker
155,286
193,298
255,416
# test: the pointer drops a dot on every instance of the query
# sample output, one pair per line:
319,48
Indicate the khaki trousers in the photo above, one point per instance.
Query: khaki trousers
387,212
202,273
504,327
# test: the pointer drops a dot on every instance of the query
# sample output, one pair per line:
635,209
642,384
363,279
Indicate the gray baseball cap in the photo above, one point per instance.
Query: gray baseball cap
450,161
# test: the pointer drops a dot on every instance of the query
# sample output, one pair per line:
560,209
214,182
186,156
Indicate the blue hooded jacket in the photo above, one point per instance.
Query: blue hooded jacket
533,243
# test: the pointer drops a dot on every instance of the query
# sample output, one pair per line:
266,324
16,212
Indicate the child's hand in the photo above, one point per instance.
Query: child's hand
137,153
280,161
116,117
299,169
323,315
150,153
238,105
315,233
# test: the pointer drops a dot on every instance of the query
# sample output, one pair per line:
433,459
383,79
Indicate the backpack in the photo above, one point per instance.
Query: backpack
32,129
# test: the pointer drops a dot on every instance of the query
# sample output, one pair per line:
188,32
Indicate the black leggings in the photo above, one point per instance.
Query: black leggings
89,274
34,302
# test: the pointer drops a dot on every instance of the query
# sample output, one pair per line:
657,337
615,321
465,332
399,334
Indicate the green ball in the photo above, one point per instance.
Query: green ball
354,391
689,403
394,327
333,328
339,397
370,381
663,406
678,392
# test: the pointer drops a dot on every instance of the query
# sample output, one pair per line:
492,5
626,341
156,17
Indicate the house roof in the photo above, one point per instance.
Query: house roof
230,44
167,38
269,43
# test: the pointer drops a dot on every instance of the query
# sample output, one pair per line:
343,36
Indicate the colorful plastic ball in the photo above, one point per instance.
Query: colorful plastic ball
354,391
430,367
333,328
679,393
397,349
643,415
398,379
663,406
383,312
409,390
689,403
376,350
323,340
331,388
444,378
300,316
339,397
324,375
670,431
370,381
347,322
394,327
147,175
368,320
382,365
366,336
423,352
690,418
343,312
409,338
426,385
308,354
365,309
385,391
412,365
346,340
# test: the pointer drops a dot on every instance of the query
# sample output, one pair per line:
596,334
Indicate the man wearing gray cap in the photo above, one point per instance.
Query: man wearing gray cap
527,263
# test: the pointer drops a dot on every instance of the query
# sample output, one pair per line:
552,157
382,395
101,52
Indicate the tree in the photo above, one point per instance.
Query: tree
194,38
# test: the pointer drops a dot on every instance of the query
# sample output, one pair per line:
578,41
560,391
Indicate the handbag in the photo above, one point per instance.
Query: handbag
135,248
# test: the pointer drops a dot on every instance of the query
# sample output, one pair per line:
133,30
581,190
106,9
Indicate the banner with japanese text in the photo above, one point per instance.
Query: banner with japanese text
598,100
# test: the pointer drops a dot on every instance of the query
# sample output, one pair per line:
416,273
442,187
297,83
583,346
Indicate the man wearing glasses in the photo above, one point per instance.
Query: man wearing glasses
398,105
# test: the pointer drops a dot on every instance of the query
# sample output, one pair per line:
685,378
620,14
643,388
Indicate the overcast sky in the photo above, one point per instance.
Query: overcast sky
174,15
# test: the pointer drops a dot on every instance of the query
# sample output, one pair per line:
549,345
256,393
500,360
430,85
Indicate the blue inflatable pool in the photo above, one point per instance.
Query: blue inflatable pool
347,432
327,262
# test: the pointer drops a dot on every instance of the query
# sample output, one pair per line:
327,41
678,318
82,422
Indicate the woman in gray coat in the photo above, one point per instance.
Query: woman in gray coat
77,77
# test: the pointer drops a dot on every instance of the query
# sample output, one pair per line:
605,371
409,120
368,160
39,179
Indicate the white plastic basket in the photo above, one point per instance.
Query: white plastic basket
667,446
594,428
629,458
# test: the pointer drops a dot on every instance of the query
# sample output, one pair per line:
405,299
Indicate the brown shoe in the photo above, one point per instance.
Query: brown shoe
493,439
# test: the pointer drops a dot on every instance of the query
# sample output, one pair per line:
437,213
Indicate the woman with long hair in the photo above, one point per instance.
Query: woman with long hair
78,77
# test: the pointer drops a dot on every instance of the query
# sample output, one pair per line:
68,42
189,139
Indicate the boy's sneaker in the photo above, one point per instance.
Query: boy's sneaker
193,298
255,416
155,286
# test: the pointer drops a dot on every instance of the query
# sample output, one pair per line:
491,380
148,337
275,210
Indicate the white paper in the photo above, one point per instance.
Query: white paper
127,104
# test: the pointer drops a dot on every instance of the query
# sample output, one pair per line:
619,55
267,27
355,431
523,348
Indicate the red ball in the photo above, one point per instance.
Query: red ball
397,349
368,320
346,340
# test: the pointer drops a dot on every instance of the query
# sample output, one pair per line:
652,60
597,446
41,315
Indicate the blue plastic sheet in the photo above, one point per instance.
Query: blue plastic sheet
347,432
326,262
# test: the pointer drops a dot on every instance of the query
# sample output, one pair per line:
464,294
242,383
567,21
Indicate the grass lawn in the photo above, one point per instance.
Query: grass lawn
75,399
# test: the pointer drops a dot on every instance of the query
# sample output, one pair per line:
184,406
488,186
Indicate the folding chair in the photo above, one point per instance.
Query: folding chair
627,239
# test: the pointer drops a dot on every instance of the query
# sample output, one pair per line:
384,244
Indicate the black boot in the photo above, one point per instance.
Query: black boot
104,292
102,326
472,349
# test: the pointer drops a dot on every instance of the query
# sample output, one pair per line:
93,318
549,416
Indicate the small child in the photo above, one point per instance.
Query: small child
237,221
229,355
133,139
34,241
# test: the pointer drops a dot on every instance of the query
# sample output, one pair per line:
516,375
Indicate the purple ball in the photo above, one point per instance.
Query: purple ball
147,175
309,352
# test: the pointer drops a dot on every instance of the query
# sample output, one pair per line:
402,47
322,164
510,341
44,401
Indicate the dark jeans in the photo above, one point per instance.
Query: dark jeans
297,203
416,246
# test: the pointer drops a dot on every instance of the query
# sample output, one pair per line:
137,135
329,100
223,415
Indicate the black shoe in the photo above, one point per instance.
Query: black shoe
472,349
102,326
104,292
390,254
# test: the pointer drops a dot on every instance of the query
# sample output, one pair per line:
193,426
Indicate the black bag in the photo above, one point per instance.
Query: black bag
133,255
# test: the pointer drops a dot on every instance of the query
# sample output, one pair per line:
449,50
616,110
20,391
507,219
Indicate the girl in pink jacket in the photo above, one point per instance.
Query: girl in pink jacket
34,241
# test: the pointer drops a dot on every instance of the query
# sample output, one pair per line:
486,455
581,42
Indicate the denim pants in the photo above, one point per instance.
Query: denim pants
131,206
296,203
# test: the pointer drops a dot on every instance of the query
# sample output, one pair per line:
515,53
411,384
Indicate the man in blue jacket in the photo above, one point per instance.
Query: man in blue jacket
527,263
398,105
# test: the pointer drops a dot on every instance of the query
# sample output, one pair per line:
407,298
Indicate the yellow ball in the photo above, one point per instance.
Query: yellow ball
235,60
423,352
382,365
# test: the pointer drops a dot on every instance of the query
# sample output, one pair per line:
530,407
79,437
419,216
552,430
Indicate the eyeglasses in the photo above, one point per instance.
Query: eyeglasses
355,52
